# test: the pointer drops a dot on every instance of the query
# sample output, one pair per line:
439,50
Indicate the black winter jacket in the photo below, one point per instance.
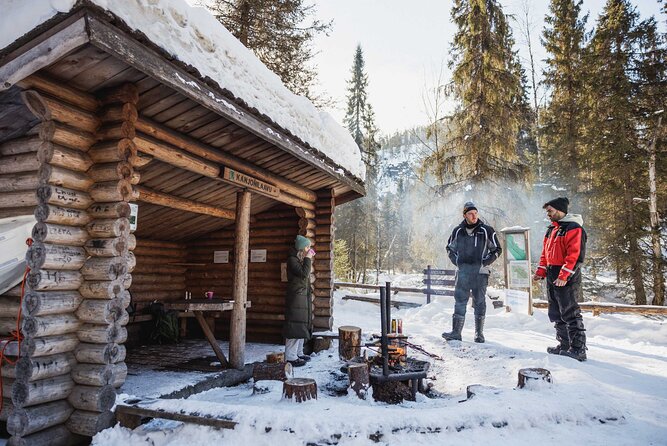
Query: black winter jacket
298,315
481,248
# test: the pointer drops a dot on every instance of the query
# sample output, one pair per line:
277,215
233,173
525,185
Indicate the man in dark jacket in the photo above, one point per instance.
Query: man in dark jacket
562,255
472,247
298,315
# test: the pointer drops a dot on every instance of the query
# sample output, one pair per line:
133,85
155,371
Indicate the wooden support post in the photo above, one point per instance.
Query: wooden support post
240,291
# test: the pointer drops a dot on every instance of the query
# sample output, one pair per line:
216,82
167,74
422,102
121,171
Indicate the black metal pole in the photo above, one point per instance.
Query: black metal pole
383,338
388,303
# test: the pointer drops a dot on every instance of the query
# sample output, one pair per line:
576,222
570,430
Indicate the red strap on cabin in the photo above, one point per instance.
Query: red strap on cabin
16,334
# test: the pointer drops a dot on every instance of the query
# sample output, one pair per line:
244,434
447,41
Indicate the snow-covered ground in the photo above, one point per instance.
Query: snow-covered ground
617,397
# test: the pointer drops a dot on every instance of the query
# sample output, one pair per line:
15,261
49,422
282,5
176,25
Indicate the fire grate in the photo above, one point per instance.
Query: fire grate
393,363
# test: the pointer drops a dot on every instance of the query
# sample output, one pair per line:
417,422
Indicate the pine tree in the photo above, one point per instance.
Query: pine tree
357,98
562,121
613,144
358,220
279,32
650,89
482,144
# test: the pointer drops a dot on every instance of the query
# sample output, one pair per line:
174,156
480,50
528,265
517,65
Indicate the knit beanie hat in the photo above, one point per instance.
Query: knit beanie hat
469,206
301,242
559,204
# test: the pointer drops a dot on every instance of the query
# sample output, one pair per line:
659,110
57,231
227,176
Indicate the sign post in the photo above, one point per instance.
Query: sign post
516,262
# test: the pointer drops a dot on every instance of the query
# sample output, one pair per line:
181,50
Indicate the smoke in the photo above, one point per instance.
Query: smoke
434,216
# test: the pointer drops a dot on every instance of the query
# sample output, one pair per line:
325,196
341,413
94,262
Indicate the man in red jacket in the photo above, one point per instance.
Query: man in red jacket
560,263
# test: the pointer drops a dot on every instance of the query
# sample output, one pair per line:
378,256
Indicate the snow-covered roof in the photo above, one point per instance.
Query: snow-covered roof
194,37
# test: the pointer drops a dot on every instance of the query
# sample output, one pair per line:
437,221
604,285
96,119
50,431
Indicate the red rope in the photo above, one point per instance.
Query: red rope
16,334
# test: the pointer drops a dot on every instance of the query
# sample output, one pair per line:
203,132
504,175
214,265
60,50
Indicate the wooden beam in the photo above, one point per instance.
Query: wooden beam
184,159
175,156
126,48
131,416
43,54
60,90
240,291
598,308
211,338
195,147
150,196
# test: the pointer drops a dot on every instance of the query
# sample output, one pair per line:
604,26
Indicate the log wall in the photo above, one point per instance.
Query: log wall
100,355
323,265
274,231
59,151
160,272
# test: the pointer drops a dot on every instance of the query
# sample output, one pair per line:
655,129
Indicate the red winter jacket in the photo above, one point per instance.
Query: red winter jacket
564,245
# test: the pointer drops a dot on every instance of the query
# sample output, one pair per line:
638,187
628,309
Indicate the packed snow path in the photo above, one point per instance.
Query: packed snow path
617,397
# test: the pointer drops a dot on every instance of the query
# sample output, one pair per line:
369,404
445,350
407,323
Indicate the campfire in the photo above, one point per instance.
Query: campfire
393,363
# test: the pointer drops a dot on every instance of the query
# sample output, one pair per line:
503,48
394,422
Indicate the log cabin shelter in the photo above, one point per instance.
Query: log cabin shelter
108,105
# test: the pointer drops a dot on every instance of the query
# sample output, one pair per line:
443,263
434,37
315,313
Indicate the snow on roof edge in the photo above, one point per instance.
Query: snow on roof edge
174,27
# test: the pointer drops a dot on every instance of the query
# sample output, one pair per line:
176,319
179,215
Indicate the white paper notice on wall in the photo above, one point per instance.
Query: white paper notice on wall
258,256
220,256
134,215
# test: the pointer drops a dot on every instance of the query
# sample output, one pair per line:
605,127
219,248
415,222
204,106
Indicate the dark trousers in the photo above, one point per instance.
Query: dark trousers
469,280
564,310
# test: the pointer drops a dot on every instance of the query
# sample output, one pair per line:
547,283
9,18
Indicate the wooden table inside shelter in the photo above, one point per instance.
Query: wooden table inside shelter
200,306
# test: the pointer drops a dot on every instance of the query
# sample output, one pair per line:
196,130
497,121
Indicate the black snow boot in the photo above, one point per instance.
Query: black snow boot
479,329
457,327
578,353
563,346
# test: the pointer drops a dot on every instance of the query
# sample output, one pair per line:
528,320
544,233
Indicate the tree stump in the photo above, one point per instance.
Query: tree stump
300,389
274,357
359,379
349,342
392,392
320,344
532,375
478,389
277,371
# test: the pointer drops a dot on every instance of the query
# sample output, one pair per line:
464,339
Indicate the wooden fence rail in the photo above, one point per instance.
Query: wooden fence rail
598,308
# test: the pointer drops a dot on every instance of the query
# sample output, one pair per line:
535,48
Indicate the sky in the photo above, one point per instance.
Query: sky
405,44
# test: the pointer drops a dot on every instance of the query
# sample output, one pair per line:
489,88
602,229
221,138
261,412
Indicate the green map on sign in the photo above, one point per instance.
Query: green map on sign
515,247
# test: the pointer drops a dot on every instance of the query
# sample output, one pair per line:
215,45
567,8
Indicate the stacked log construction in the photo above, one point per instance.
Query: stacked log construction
160,272
19,179
42,380
273,231
323,265
100,355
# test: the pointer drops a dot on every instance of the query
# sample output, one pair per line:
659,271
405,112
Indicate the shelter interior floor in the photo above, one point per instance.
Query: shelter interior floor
160,370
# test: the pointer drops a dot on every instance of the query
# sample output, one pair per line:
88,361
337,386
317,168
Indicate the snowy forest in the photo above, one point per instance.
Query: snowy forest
500,132
589,127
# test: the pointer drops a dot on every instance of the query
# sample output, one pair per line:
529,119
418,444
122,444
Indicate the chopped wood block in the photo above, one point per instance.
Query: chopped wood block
349,342
300,389
277,371
526,376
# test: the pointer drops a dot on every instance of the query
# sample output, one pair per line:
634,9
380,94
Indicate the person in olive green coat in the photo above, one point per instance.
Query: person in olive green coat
298,314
